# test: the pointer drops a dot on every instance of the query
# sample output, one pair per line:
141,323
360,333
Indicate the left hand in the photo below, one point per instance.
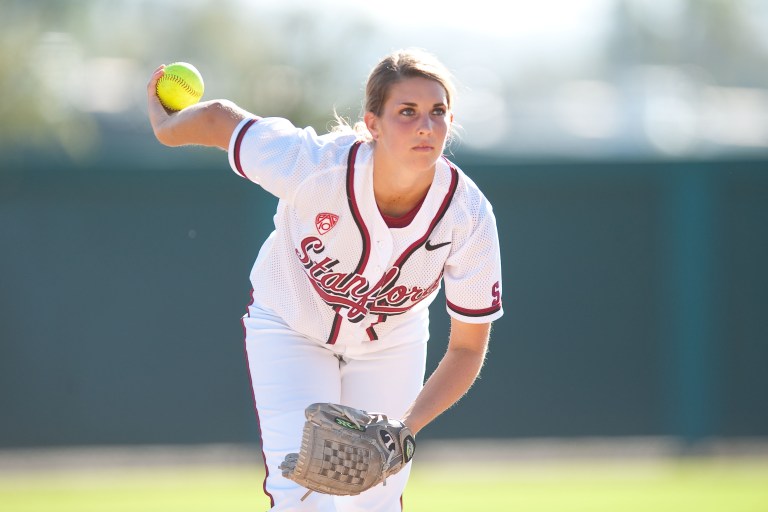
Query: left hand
365,449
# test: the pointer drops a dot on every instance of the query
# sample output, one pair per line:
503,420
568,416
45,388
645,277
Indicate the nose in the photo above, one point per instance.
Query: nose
425,125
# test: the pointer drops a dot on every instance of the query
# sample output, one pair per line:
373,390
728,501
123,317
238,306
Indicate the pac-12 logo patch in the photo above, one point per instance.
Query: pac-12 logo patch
324,222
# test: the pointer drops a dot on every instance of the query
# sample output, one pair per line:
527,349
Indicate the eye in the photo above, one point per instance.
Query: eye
407,111
439,111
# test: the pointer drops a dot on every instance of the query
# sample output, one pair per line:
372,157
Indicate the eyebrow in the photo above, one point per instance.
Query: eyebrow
411,104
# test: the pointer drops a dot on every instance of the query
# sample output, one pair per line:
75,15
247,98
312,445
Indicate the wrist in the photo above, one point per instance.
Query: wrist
411,425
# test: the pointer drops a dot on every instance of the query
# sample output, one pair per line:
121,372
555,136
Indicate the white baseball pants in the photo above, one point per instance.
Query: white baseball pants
290,371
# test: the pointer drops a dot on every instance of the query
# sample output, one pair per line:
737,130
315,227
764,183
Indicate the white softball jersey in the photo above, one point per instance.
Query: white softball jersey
333,270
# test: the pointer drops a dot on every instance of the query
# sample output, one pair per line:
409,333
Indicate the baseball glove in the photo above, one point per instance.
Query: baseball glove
345,451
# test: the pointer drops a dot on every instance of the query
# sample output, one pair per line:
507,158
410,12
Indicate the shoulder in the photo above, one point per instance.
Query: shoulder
278,128
277,141
280,157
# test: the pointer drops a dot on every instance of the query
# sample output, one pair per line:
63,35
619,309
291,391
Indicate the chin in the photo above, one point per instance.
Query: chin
428,163
426,157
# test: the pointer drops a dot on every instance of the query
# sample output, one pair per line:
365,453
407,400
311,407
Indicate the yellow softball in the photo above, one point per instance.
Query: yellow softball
180,86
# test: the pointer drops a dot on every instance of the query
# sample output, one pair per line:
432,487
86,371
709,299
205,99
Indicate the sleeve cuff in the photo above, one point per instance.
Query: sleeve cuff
235,143
474,316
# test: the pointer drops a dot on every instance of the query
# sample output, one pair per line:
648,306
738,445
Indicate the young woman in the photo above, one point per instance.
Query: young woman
371,220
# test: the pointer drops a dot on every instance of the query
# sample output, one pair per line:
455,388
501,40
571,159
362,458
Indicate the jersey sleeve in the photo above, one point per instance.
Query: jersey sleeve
278,156
473,273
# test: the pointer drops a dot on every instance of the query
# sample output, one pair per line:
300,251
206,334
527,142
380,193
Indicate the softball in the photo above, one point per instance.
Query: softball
180,86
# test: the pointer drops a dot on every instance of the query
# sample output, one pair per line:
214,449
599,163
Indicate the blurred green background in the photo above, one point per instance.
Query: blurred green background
623,143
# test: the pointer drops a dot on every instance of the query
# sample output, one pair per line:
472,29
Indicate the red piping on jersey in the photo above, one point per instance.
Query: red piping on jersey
364,235
255,407
473,312
352,200
238,143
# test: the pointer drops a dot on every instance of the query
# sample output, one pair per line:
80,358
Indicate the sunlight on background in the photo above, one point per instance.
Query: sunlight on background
547,79
489,45
516,20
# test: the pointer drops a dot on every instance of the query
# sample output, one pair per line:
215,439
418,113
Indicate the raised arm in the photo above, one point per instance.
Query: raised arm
453,377
208,123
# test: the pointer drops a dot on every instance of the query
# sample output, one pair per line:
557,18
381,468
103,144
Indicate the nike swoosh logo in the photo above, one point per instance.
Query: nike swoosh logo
431,247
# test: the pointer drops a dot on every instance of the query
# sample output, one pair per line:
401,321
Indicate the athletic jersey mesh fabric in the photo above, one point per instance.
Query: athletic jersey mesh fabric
333,270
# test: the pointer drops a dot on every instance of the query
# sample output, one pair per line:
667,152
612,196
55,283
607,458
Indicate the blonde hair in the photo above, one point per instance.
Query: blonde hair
395,67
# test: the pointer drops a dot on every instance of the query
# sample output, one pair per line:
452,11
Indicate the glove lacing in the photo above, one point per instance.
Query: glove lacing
388,463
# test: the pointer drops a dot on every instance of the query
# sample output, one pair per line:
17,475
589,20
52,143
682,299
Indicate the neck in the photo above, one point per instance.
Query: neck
398,190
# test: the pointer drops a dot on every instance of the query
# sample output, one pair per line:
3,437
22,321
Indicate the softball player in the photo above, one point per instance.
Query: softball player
371,220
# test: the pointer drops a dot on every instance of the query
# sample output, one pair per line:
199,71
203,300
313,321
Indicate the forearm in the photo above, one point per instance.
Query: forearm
209,123
453,377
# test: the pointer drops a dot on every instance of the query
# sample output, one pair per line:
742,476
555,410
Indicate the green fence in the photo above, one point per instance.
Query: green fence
636,300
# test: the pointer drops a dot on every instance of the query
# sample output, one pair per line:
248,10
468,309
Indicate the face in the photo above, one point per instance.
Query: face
413,126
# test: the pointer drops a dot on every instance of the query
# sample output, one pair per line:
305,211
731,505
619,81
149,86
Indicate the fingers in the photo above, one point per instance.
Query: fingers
152,85
158,115
152,98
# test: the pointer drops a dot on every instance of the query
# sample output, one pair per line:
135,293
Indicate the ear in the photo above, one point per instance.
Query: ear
372,123
450,119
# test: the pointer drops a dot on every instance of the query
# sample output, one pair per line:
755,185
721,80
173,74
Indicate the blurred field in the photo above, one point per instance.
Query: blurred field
668,484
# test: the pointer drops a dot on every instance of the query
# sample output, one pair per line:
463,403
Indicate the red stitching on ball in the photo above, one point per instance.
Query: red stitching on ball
185,85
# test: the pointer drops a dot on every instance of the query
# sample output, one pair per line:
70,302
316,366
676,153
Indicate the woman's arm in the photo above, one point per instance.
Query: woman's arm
209,123
453,377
